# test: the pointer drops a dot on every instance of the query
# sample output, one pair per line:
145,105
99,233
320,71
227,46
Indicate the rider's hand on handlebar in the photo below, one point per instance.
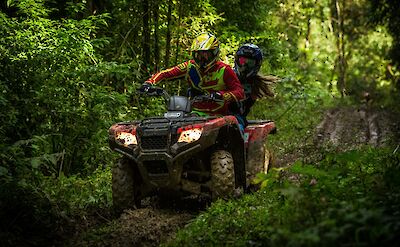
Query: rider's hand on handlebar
216,96
150,90
144,88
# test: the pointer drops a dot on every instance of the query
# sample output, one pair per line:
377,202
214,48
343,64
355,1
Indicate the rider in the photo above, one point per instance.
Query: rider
248,60
206,75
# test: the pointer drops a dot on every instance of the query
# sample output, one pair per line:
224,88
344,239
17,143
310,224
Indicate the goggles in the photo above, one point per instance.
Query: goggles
203,57
246,62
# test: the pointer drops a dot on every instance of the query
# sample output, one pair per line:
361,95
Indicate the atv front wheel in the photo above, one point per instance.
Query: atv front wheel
222,174
123,185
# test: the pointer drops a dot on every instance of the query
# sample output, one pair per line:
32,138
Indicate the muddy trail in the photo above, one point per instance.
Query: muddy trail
348,128
158,221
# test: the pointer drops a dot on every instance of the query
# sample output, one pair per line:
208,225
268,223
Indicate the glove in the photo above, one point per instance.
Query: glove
216,96
144,88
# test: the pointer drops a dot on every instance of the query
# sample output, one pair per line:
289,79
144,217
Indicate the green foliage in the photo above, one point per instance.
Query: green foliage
26,215
251,17
50,206
55,87
310,29
58,99
345,199
76,195
30,8
386,12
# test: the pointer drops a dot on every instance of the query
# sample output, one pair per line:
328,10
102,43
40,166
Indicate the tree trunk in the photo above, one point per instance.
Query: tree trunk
146,35
177,45
340,45
304,63
94,6
308,34
168,38
156,46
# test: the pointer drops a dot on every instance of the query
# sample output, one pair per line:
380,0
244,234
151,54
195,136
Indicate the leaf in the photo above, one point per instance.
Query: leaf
36,162
265,183
309,170
10,3
3,171
260,177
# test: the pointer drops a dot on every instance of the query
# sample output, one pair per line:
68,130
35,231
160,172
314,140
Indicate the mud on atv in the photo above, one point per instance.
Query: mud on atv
182,152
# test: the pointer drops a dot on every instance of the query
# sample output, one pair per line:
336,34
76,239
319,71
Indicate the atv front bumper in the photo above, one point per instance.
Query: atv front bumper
162,169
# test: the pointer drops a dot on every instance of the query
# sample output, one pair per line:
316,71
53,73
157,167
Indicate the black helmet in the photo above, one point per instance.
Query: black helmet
248,60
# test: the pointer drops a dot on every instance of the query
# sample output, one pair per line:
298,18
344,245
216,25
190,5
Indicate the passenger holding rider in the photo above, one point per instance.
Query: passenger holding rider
206,75
248,60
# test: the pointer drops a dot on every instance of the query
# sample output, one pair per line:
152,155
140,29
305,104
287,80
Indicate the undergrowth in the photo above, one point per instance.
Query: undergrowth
52,207
347,199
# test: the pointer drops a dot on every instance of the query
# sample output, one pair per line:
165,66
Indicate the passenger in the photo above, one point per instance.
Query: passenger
248,61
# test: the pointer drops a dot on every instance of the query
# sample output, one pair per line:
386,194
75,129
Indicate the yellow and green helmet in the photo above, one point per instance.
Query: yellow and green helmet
205,50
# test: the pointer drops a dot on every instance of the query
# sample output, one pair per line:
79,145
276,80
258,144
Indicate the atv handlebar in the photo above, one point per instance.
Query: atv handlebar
150,90
205,98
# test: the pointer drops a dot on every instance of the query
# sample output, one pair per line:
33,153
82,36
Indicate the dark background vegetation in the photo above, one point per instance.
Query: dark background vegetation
69,69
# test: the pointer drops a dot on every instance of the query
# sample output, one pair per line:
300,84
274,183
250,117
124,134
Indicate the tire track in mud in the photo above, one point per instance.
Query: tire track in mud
147,227
156,222
348,128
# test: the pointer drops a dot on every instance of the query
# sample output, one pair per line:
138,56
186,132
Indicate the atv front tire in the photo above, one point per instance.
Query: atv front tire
222,174
123,185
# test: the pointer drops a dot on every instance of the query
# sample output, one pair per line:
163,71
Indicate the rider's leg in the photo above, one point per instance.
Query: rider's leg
242,122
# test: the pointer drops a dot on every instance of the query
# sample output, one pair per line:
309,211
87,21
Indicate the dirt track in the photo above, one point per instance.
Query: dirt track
145,227
156,222
350,128
342,128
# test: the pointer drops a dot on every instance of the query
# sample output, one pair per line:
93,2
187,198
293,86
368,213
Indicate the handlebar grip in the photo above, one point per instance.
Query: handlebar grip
150,90
154,91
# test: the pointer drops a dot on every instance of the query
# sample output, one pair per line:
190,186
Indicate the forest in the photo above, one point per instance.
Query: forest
70,69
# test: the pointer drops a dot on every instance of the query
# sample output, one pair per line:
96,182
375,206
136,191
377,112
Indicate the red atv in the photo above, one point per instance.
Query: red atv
183,152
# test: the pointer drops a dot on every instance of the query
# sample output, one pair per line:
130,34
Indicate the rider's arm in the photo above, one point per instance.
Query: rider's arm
234,90
169,74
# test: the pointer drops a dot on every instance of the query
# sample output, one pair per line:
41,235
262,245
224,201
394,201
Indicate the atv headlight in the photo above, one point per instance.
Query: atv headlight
190,135
126,139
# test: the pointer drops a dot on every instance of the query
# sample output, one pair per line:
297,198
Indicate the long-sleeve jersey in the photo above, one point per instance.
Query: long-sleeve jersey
219,78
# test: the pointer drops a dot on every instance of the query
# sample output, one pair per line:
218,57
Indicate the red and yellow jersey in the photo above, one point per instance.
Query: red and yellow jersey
219,78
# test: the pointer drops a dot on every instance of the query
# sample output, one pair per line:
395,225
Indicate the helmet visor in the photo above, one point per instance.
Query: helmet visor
246,66
203,58
246,62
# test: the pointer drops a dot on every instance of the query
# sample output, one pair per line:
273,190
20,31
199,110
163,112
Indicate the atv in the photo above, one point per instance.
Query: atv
184,152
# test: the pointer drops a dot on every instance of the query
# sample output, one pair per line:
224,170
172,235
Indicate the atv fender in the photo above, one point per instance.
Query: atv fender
257,131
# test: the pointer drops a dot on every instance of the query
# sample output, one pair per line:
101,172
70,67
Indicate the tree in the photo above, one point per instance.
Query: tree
168,35
386,12
146,34
338,20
